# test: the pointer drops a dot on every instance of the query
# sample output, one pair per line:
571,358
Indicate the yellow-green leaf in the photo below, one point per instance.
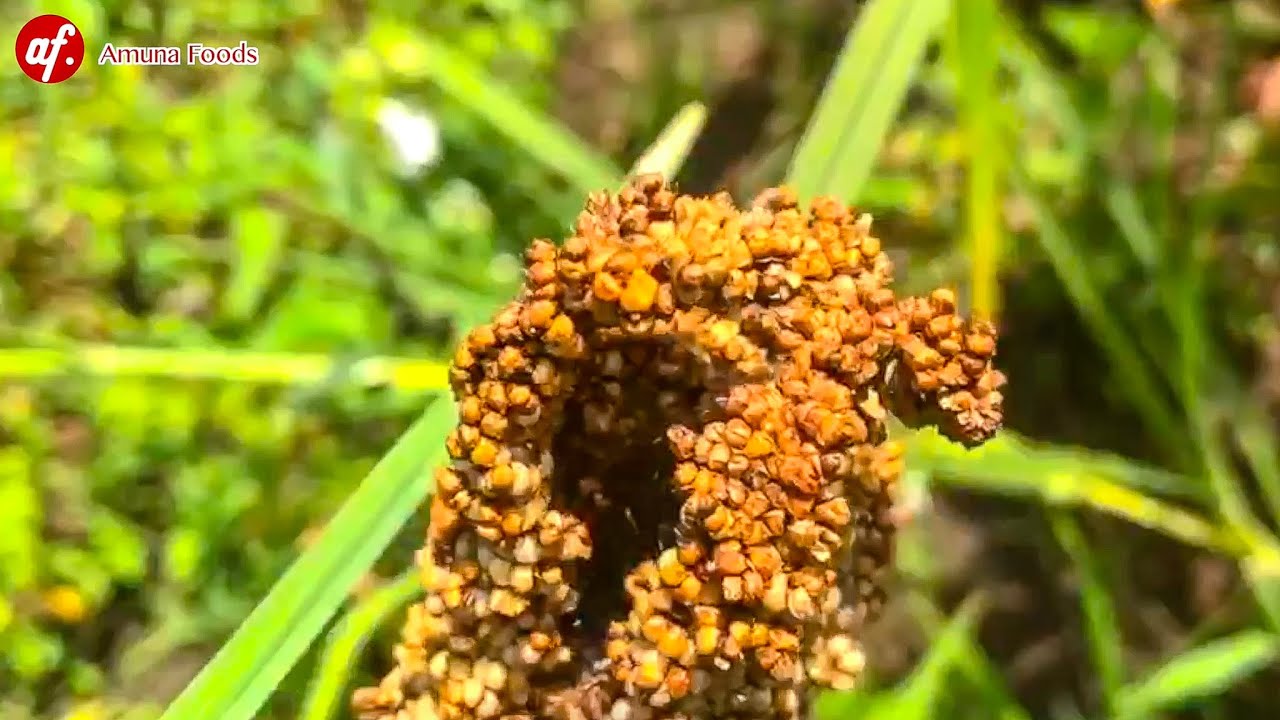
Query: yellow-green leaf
863,95
1199,673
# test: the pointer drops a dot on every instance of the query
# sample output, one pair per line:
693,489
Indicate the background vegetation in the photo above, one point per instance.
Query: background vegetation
227,291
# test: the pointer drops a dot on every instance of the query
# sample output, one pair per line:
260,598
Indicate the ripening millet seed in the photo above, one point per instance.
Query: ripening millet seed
671,491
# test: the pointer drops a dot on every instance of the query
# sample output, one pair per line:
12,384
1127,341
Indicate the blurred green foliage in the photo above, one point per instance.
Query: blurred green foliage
259,210
1108,195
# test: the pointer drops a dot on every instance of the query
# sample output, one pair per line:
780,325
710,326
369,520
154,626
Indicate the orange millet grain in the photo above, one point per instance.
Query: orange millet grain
671,488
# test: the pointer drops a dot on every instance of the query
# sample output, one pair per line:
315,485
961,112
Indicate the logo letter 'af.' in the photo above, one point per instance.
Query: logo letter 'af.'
50,49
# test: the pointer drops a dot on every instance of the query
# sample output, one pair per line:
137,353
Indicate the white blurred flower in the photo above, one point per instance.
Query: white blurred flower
413,135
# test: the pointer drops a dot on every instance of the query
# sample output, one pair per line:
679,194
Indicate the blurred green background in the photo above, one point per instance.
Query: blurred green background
227,290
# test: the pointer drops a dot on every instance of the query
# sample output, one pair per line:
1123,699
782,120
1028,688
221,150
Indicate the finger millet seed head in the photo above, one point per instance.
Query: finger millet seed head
671,487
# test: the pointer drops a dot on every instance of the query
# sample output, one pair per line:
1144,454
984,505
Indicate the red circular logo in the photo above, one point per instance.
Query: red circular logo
50,48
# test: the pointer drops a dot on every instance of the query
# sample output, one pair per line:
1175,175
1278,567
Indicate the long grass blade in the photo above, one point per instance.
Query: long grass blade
244,673
1101,625
919,696
268,368
667,154
1130,367
1120,196
862,96
1258,443
326,692
498,104
258,234
974,664
975,61
1199,673
1079,479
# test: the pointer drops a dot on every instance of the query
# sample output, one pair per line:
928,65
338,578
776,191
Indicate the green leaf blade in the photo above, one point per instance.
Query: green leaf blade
1199,673
246,671
326,691
975,62
1101,622
863,95
919,696
537,134
258,235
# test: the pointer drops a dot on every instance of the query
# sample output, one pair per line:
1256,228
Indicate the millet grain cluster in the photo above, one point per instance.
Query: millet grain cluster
671,486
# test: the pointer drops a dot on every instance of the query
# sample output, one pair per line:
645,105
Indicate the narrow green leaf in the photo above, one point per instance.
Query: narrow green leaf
326,692
258,236
863,95
1120,196
974,664
244,673
975,61
1076,478
500,105
22,516
1262,564
1256,438
220,364
1126,210
1130,368
1265,584
1200,673
1099,612
667,153
919,696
